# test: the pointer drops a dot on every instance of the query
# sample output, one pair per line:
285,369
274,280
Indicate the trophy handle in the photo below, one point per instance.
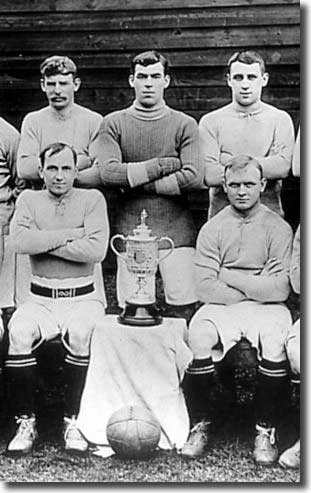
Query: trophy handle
121,237
166,238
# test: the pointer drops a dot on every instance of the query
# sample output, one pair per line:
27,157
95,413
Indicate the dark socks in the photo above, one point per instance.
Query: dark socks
75,371
197,384
272,395
21,373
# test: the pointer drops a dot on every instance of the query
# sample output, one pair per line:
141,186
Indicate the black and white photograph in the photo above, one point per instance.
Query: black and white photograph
150,242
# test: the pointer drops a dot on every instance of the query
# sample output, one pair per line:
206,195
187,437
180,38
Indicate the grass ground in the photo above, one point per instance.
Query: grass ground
228,459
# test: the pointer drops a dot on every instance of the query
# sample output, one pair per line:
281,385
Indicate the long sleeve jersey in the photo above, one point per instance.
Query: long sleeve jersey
9,138
41,128
64,237
243,246
266,134
129,146
295,263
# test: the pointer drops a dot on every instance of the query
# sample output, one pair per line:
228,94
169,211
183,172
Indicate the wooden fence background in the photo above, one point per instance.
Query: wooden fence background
198,36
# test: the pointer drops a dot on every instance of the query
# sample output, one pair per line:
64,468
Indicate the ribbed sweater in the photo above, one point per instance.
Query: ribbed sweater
78,128
9,138
129,146
265,133
295,263
63,236
242,246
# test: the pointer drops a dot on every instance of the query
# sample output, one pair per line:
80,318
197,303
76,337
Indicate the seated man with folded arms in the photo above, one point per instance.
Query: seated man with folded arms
242,266
65,232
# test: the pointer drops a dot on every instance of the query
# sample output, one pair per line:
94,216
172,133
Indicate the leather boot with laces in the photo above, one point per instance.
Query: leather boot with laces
265,448
74,440
25,437
197,440
291,457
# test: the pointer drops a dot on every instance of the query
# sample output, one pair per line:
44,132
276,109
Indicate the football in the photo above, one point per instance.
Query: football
133,432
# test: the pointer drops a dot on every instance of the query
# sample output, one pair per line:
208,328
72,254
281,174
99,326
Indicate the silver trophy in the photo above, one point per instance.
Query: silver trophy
142,258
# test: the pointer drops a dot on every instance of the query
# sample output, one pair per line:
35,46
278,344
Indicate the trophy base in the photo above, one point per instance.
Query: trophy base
140,315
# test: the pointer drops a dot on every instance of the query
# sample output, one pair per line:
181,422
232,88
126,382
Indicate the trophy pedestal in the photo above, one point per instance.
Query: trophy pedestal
140,315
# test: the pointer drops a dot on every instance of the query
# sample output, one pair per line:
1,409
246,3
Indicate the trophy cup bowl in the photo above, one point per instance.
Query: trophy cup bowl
142,258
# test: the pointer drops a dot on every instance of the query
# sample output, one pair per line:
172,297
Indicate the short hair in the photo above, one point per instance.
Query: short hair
247,57
56,64
148,58
56,148
241,162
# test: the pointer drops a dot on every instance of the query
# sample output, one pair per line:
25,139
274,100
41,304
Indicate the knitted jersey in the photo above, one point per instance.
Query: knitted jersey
295,263
266,133
127,141
42,227
41,128
242,246
9,138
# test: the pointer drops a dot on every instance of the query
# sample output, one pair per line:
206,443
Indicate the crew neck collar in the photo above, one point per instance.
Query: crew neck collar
148,114
64,114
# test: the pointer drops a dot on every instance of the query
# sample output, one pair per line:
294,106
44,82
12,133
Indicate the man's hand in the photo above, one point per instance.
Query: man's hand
214,175
73,234
272,267
169,165
84,162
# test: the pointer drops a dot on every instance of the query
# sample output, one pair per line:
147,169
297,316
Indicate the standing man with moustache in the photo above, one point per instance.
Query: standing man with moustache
149,152
63,120
249,126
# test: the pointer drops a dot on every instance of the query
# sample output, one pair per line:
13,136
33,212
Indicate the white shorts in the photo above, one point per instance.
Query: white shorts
58,316
293,347
256,321
15,275
177,272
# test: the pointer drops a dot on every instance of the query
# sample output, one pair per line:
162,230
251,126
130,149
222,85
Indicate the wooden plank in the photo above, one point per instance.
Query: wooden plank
191,18
186,99
157,39
119,5
206,57
182,77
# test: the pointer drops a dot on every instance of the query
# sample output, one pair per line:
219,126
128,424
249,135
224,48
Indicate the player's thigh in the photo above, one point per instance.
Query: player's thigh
274,322
79,320
293,347
203,332
177,272
26,327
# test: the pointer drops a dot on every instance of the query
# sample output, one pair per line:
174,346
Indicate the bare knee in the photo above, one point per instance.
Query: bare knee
202,338
79,339
273,343
22,335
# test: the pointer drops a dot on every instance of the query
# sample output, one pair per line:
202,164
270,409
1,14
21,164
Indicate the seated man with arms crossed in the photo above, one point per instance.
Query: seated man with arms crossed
65,232
242,265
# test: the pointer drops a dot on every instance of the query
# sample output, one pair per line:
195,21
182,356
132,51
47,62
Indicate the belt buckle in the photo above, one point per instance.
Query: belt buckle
63,293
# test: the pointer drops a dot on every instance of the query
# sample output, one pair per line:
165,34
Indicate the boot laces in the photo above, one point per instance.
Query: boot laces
266,433
26,425
71,427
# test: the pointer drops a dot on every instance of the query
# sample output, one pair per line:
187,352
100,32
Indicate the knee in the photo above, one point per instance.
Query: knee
202,338
22,335
79,339
293,354
273,341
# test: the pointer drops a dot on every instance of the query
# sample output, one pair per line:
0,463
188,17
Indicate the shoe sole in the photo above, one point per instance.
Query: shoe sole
74,451
287,466
18,453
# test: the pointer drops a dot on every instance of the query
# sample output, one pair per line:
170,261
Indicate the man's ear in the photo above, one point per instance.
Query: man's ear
167,79
40,171
228,79
42,84
224,186
265,79
263,184
131,80
77,84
